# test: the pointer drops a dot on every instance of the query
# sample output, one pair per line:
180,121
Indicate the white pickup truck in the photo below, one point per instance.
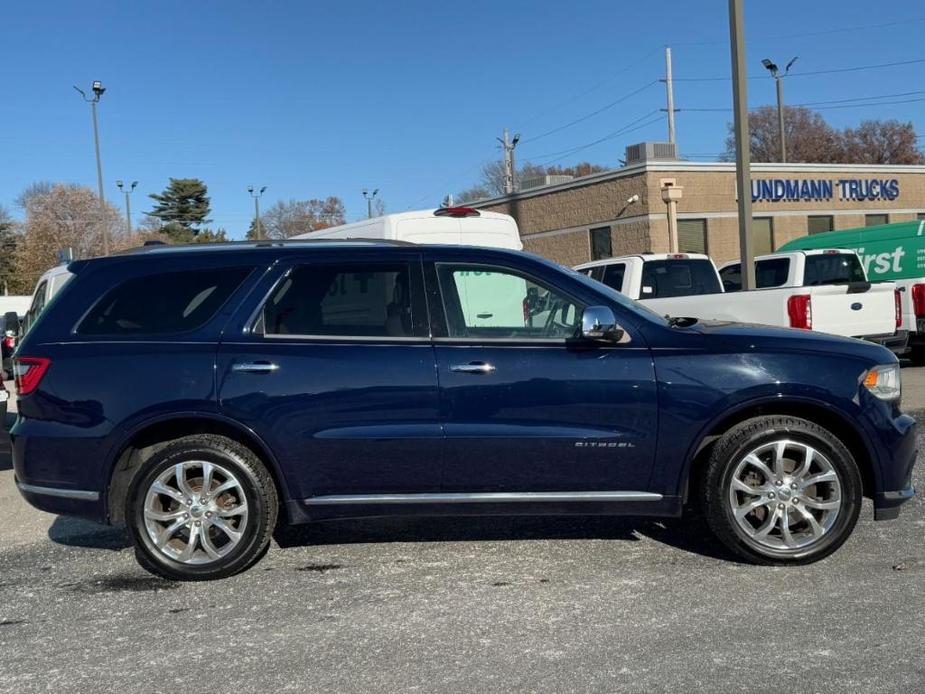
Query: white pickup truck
821,267
826,293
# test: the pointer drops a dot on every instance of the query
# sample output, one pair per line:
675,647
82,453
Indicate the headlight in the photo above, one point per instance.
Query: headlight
884,381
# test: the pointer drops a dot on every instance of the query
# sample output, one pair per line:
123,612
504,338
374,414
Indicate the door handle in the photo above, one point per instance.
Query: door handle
255,367
473,367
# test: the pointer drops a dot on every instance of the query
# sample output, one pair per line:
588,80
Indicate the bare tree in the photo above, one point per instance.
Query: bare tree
811,139
65,216
492,177
286,219
882,142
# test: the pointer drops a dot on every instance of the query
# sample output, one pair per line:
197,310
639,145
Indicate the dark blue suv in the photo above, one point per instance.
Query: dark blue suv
198,394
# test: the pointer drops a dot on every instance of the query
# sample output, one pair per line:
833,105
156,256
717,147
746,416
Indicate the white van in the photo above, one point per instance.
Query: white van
446,225
49,284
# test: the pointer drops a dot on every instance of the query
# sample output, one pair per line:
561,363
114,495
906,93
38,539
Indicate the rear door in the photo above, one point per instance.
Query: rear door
331,365
525,409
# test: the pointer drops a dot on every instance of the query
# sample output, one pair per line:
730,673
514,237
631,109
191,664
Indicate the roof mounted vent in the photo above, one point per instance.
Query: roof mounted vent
651,151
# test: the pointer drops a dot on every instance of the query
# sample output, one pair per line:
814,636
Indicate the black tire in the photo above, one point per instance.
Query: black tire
258,489
750,435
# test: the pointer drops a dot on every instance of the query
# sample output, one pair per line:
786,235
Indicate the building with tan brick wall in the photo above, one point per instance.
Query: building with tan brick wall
592,217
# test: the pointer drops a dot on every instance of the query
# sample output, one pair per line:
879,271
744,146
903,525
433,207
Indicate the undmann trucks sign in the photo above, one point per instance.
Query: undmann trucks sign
818,189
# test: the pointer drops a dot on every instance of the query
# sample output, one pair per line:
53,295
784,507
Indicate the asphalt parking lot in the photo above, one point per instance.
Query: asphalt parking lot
526,605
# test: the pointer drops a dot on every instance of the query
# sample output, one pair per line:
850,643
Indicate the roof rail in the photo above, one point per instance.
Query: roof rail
263,243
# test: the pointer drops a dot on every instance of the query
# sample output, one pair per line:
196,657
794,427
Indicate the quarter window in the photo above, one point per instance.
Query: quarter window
349,300
494,303
173,302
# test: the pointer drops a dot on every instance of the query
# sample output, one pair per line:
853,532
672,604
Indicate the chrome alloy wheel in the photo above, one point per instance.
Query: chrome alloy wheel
195,512
784,496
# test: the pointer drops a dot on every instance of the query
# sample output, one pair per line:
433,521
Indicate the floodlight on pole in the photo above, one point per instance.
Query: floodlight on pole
98,90
369,201
256,196
778,78
128,207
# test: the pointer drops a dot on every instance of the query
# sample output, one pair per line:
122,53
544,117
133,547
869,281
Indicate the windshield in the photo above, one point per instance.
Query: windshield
832,268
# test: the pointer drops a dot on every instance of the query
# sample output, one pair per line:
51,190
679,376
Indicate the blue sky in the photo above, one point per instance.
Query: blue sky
325,98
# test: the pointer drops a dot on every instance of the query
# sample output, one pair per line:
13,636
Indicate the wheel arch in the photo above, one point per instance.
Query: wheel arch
146,438
825,416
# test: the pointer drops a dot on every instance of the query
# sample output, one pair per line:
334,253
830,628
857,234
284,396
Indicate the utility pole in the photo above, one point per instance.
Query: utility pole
369,201
743,156
256,195
779,78
128,206
98,91
669,89
508,145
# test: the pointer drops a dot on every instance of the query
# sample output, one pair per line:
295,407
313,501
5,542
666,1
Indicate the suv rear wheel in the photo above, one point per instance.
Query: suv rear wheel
203,507
781,490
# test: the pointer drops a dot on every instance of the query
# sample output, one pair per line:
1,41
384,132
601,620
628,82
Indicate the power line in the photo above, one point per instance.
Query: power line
593,88
825,32
610,136
830,71
592,114
836,103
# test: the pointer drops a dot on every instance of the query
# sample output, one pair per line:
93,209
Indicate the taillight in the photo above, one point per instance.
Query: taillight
456,212
897,298
800,311
28,371
9,342
918,300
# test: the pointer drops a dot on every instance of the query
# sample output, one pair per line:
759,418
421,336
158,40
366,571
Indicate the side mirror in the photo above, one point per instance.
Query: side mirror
11,322
598,324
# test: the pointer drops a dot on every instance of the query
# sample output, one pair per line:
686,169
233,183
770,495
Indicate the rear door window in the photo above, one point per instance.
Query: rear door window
175,302
832,268
613,276
768,273
666,278
344,300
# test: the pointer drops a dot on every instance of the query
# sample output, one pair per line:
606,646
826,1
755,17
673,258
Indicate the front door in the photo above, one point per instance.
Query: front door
335,372
525,407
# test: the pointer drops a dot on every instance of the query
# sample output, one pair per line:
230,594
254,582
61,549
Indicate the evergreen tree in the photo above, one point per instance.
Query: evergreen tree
182,208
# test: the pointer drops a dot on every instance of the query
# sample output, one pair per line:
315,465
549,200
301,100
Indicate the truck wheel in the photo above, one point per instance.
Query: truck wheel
781,490
202,508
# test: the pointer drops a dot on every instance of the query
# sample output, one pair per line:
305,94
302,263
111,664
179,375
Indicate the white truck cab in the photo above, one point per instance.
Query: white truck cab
828,293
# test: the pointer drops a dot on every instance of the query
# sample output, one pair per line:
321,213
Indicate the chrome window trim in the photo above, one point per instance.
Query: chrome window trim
79,494
478,497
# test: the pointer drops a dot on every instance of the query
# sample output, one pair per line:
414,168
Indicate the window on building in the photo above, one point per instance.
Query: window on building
356,299
692,235
817,224
162,304
920,215
873,220
762,235
491,302
601,244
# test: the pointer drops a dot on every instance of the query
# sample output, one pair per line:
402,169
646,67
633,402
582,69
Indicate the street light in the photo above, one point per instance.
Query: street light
369,201
256,195
128,207
98,90
778,77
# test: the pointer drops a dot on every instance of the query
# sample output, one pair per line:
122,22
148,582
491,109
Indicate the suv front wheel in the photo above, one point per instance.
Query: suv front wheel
203,507
781,490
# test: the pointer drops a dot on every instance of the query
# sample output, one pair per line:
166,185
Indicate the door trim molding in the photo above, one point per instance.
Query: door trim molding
477,497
